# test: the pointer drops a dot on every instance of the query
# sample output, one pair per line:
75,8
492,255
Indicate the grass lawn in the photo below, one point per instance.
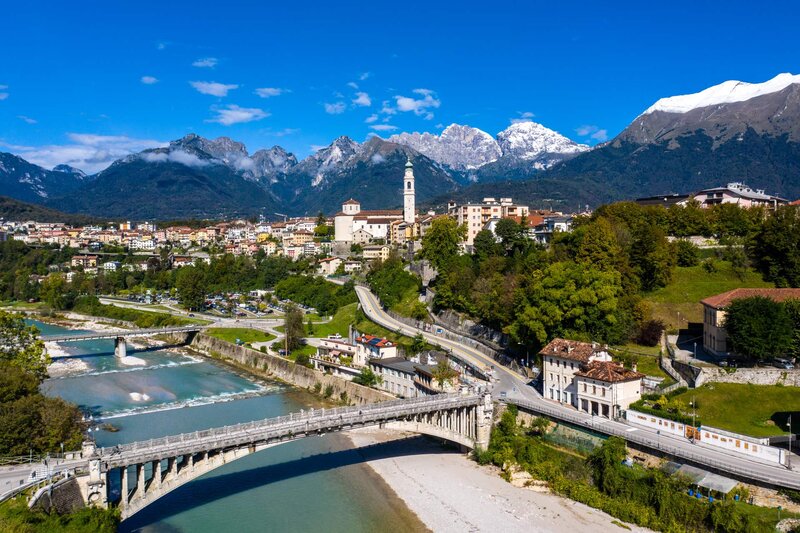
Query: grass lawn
303,350
744,408
679,301
243,334
406,305
340,323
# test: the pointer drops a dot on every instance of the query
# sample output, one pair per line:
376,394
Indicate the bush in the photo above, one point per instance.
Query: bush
328,391
650,332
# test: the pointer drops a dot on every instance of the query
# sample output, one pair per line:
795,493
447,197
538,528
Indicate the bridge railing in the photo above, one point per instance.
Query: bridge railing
389,407
598,425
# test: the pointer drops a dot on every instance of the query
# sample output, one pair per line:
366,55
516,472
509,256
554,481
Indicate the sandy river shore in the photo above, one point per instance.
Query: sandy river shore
449,492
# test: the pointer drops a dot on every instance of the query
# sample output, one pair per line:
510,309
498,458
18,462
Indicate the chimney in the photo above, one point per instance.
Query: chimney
633,367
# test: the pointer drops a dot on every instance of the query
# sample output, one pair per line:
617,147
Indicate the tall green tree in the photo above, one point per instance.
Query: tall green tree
568,300
21,346
293,327
442,242
53,292
792,308
652,257
758,328
191,285
776,247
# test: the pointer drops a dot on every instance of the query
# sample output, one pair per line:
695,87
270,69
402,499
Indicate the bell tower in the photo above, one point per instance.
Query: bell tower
409,207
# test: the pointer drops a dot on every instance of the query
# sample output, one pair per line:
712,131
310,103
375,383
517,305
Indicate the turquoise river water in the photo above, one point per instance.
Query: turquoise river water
314,484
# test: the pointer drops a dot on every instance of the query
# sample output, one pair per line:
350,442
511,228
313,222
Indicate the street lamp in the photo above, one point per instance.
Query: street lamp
789,457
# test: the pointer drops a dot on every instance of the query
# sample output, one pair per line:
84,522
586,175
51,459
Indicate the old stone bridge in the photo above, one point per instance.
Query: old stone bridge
148,470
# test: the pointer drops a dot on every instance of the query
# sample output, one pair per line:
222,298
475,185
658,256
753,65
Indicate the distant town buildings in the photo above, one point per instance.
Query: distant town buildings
736,193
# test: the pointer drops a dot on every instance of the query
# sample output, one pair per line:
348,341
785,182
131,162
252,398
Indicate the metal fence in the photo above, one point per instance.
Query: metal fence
774,476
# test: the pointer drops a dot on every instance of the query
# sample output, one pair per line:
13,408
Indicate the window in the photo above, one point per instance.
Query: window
594,389
604,392
409,185
572,366
584,387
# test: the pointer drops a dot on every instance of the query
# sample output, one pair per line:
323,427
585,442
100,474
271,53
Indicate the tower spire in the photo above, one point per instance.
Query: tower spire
409,207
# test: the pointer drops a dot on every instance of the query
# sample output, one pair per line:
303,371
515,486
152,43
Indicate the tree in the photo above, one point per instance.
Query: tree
686,253
758,328
53,291
484,244
293,325
418,344
776,248
310,327
191,285
20,345
651,257
793,311
568,300
444,374
511,234
368,378
442,242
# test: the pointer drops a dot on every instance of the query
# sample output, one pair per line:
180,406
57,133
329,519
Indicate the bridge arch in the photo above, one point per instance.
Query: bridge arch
151,469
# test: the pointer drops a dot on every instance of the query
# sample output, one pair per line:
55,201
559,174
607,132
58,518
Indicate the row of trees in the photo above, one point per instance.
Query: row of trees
761,328
30,421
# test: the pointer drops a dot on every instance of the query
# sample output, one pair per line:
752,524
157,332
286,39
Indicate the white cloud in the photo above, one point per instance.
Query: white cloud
439,126
286,131
149,80
362,99
233,114
266,92
419,106
318,147
175,156
524,116
352,85
86,151
3,94
213,88
161,46
377,158
206,62
28,120
383,127
372,118
364,76
387,109
335,108
593,132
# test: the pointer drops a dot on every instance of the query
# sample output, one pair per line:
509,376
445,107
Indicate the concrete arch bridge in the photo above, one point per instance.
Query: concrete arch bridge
151,469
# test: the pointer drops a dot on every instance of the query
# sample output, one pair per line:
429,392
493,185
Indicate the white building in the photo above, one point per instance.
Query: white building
475,216
371,347
739,194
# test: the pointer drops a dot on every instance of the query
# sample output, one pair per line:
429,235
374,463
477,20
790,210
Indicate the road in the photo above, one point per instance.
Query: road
513,388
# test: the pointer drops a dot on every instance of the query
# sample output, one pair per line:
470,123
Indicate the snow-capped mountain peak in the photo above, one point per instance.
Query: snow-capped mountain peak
724,93
459,147
530,140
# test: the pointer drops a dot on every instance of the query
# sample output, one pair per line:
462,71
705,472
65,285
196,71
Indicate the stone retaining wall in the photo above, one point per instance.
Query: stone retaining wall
288,371
756,376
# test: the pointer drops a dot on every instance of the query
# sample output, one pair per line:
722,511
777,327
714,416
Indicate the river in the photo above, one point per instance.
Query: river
312,484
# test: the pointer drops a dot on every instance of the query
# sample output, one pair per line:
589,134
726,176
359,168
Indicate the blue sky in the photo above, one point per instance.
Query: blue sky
85,82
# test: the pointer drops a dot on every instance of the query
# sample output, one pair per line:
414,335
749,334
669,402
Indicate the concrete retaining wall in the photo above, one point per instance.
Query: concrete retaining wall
756,376
288,371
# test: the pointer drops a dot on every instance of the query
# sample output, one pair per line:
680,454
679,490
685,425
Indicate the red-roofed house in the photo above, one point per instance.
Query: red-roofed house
583,375
371,347
715,338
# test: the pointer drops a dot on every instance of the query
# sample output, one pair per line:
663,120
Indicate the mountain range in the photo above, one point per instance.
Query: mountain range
733,131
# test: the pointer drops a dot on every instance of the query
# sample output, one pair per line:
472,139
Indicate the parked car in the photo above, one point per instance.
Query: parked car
783,363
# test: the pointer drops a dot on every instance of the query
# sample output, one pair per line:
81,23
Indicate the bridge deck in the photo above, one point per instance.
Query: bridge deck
146,332
277,428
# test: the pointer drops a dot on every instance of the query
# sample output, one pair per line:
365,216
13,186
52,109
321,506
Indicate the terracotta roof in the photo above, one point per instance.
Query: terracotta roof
796,202
374,341
569,349
352,202
723,300
609,372
531,220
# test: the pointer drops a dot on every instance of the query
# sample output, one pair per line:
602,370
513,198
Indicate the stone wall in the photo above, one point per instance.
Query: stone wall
287,371
756,376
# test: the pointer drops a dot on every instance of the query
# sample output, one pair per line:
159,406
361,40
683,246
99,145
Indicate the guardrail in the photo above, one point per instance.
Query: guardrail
391,408
770,478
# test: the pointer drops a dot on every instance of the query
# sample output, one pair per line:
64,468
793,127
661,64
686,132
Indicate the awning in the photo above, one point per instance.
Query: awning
702,478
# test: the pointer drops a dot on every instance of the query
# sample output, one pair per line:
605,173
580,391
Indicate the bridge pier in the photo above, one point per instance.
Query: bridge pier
120,348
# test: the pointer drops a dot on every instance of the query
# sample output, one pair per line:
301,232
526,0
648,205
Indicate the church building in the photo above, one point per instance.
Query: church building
354,225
